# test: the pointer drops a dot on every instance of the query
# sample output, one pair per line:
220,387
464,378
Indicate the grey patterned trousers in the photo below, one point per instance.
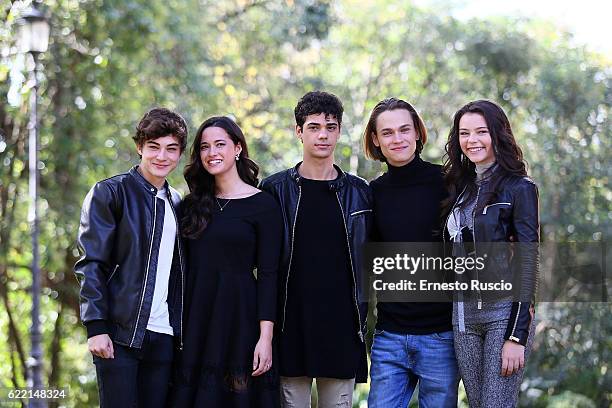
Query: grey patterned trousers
478,351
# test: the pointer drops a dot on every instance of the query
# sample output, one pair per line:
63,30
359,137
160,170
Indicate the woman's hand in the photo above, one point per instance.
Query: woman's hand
262,357
513,358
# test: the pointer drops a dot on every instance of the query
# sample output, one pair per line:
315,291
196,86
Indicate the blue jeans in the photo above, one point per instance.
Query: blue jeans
401,361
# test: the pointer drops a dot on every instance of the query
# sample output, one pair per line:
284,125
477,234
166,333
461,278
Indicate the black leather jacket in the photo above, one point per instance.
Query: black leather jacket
119,238
513,216
355,200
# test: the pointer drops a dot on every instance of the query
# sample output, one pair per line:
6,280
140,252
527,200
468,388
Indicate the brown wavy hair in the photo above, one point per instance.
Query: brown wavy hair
198,204
160,122
460,172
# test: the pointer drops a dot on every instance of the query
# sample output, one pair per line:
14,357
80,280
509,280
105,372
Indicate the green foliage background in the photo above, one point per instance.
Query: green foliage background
110,60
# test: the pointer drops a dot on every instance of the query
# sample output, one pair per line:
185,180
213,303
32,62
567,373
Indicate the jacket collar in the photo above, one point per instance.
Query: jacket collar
145,184
334,185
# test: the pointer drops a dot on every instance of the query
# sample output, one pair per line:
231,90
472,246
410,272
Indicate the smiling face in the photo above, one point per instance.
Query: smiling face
158,158
319,135
396,136
218,151
475,139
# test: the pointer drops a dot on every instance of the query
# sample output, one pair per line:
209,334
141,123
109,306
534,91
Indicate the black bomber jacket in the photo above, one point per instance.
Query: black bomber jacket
119,239
512,217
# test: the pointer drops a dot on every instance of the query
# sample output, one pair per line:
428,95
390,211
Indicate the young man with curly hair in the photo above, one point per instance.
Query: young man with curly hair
131,269
327,214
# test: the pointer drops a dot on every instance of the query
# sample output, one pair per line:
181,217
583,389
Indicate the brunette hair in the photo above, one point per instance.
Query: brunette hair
160,122
198,204
459,171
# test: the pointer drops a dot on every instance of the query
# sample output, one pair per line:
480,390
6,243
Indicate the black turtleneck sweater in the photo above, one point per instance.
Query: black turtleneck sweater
407,204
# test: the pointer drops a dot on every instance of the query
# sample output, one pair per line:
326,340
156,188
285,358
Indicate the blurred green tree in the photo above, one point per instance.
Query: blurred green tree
111,60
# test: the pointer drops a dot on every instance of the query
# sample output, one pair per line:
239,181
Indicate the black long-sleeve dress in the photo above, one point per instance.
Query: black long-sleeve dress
231,286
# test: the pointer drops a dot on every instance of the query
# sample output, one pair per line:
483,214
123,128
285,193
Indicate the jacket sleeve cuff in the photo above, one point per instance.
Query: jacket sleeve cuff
519,323
96,327
267,313
519,336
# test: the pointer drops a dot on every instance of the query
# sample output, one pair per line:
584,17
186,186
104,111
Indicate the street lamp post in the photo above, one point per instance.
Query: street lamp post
33,39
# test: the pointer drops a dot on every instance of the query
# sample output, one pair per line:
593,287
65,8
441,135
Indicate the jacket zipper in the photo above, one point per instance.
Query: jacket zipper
516,321
178,240
474,235
348,242
484,212
360,212
512,336
112,274
144,288
297,207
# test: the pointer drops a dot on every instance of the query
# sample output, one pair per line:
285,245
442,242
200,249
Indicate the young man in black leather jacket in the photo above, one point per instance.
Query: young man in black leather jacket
131,269
327,215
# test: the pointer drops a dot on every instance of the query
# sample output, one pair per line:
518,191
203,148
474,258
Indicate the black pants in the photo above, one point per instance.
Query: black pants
136,377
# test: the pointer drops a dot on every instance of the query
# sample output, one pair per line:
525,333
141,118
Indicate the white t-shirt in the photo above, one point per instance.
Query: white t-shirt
159,319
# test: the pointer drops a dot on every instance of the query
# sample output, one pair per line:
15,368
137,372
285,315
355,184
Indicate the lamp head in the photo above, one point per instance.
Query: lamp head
33,31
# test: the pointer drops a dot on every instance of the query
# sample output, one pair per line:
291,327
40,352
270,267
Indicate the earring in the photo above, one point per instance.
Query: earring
237,156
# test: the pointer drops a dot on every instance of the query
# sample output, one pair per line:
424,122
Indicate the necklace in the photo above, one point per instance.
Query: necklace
221,207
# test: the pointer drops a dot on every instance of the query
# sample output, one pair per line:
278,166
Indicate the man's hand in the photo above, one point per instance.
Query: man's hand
101,346
513,358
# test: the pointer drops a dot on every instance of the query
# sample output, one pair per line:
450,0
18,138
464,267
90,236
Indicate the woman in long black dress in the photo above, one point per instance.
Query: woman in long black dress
233,237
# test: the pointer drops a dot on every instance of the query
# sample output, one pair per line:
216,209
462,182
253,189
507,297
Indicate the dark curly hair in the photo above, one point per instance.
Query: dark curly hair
316,102
198,204
374,152
160,122
460,172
